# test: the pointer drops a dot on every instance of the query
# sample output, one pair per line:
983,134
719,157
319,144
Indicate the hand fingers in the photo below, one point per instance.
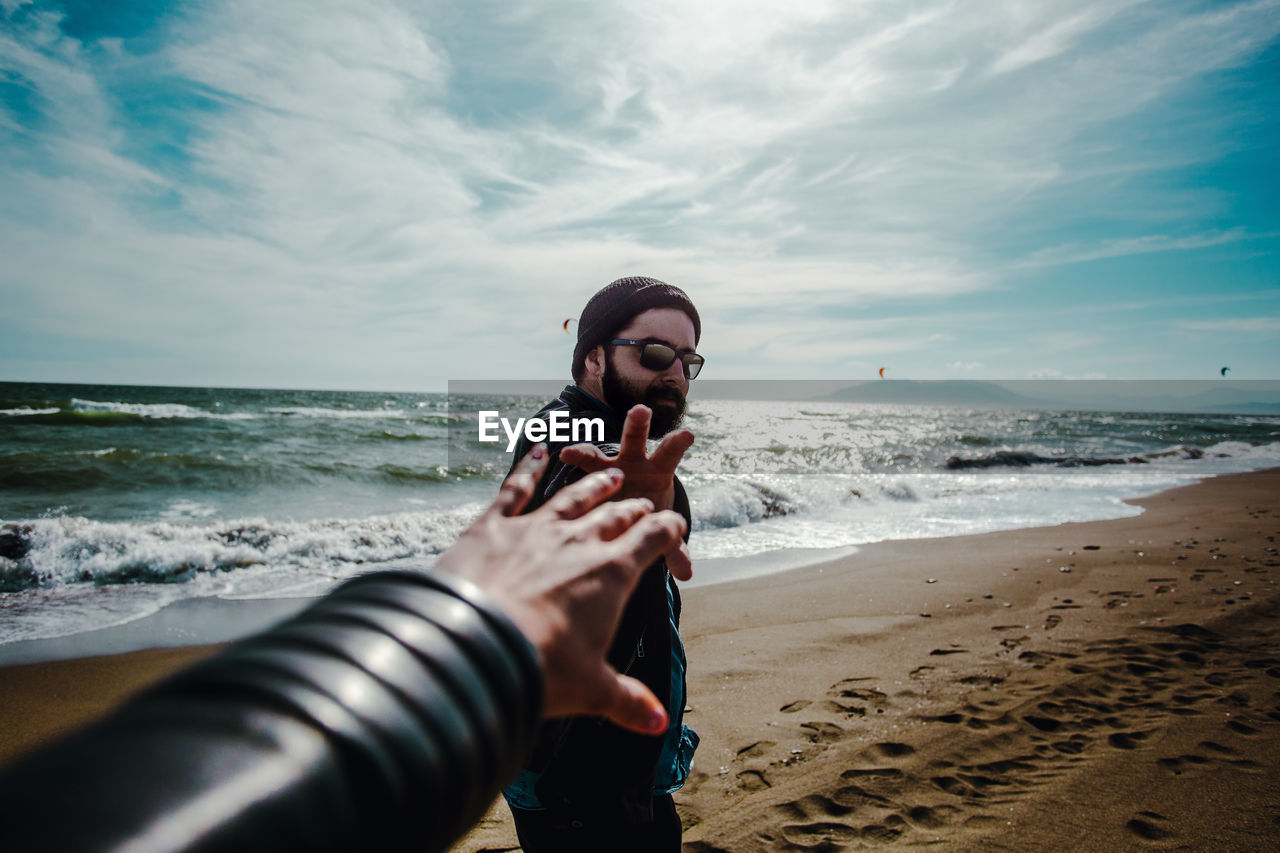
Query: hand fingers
635,432
577,500
611,520
588,457
648,538
671,450
633,706
679,562
520,483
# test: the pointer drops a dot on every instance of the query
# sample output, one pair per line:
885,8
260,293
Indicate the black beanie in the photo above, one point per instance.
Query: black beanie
616,303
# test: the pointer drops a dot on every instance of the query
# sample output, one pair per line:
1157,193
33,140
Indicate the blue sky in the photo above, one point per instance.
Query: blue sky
388,195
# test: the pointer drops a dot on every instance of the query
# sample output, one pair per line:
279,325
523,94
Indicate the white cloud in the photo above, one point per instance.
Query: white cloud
1051,40
1244,325
383,186
1079,253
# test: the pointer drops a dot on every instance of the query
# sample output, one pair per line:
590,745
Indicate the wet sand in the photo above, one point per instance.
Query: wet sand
965,691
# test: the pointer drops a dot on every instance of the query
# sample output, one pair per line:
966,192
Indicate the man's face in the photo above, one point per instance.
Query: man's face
626,382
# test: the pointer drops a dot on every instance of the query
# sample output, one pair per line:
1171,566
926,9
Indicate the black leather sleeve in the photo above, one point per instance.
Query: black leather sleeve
384,717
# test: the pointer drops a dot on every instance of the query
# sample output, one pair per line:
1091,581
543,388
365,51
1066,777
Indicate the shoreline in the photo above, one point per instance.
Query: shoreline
201,620
961,690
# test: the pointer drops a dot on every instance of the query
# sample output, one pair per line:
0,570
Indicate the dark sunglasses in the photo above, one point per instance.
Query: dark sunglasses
656,356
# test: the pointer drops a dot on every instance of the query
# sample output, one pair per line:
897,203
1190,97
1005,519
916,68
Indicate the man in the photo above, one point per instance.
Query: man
590,785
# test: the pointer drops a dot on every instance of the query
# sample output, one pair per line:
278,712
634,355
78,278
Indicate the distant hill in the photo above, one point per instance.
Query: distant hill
1106,395
1246,409
943,392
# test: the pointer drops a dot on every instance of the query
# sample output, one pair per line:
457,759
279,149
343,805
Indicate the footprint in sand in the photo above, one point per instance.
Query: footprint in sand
844,710
1127,740
1150,826
892,750
820,732
816,822
869,696
1241,728
932,817
756,749
753,780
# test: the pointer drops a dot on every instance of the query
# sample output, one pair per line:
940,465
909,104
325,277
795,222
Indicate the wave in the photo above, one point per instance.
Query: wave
26,412
348,414
388,435
97,412
1023,459
59,552
734,503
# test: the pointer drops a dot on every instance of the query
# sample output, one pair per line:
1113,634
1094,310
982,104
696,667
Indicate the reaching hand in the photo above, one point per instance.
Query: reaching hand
563,573
650,476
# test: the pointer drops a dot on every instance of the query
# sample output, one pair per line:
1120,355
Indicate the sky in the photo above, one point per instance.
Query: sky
390,194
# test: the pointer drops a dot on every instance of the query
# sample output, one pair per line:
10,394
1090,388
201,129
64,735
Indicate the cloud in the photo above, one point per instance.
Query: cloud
1051,40
389,190
1266,326
1150,244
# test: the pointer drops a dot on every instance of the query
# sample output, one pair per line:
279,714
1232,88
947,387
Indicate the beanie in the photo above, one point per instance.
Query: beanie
616,303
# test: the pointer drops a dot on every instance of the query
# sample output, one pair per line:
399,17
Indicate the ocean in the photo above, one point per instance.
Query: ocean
116,501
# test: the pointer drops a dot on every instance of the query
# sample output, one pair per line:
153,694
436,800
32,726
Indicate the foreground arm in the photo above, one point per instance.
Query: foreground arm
383,718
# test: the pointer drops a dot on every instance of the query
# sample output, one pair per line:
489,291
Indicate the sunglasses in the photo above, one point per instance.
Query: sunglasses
657,356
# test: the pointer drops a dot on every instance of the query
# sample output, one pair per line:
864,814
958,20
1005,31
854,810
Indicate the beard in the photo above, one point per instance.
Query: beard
666,401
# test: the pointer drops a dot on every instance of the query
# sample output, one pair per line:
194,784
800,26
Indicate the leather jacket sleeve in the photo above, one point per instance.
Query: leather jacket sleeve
385,717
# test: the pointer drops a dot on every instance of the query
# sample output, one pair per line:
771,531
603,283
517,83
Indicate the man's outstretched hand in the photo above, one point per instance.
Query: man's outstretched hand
647,475
563,573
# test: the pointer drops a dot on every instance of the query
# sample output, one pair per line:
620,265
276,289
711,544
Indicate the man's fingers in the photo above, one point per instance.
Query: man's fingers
679,562
633,706
669,452
519,485
650,537
578,499
588,457
635,432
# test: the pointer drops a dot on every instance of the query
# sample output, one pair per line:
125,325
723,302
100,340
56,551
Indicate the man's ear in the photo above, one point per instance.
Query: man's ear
593,364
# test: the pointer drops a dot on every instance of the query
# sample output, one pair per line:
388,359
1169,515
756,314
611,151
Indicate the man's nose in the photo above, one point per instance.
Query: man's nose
676,371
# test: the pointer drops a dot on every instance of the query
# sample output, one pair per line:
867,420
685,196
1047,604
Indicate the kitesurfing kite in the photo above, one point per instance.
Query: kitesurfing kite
1224,370
566,324
882,370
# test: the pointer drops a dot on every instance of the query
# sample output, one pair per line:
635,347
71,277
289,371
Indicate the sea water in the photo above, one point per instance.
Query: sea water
115,501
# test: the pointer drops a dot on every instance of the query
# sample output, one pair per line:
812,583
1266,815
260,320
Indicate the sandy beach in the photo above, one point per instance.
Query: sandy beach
1103,685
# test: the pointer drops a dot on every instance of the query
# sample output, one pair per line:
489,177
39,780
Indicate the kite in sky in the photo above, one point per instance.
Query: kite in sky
1224,370
566,324
882,370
